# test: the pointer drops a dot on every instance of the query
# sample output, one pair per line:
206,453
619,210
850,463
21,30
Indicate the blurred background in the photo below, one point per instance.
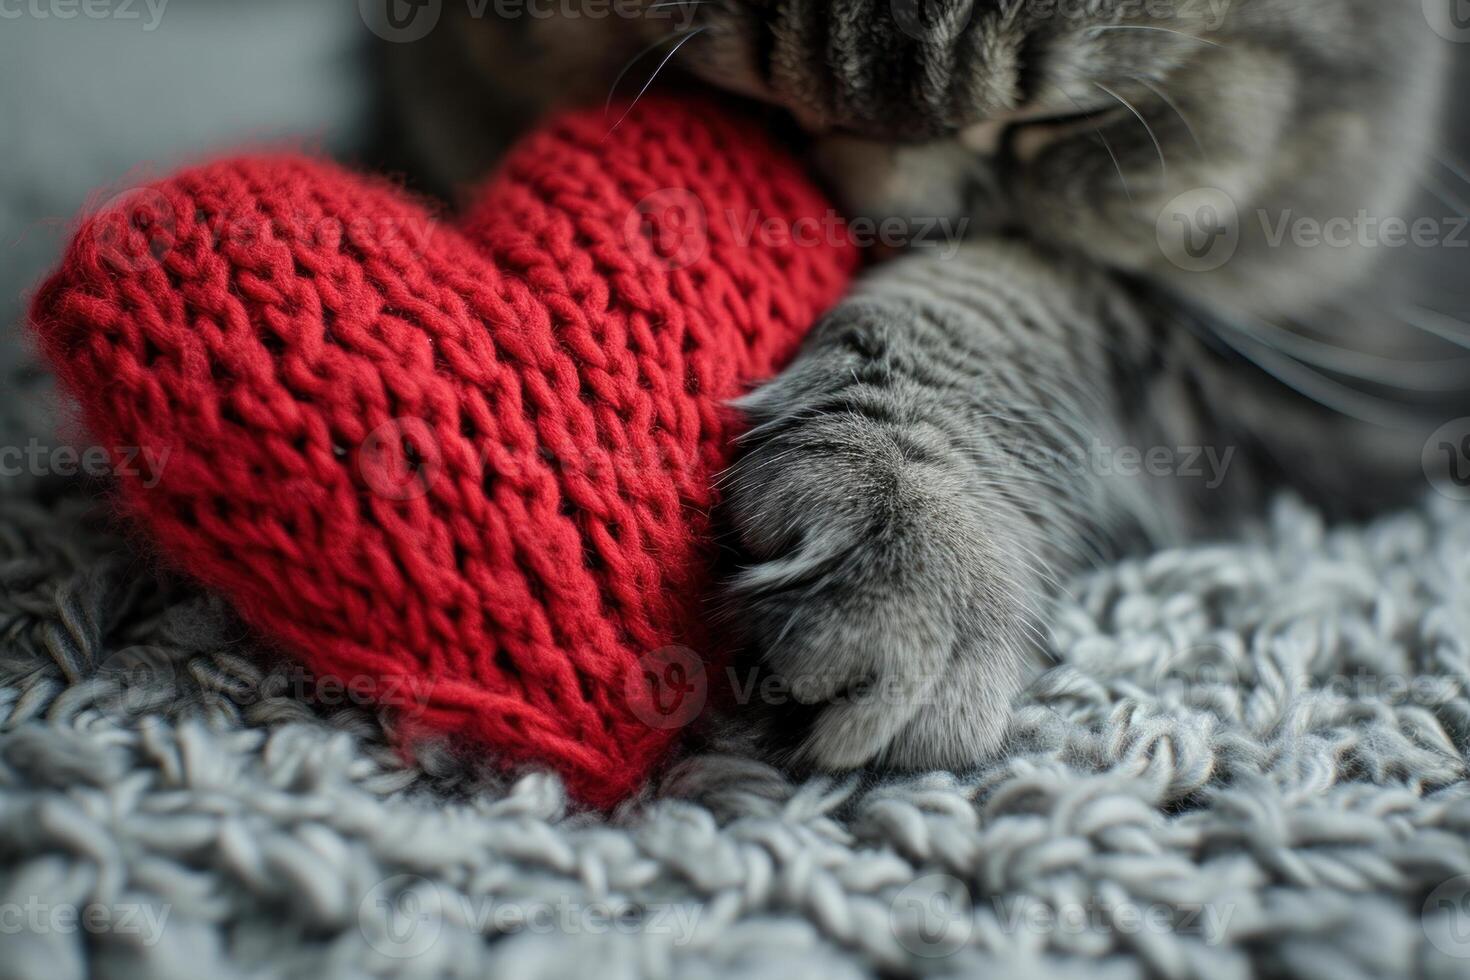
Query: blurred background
94,102
91,104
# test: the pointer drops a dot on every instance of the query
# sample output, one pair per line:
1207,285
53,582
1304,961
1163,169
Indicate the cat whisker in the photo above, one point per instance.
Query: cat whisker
1437,324
756,432
1448,374
1034,563
1453,167
1151,27
613,90
1164,98
1323,390
1116,165
1106,145
1442,193
723,480
1305,381
667,58
1158,147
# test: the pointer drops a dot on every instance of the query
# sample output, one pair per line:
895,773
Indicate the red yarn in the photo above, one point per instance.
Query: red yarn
466,470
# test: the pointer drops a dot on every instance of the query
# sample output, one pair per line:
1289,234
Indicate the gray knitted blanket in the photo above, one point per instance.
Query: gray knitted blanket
1250,758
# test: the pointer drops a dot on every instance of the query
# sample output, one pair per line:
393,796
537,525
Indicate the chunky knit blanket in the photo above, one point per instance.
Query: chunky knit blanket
1249,757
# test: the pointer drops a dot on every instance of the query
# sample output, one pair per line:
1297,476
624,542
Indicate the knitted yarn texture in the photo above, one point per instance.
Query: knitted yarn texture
465,470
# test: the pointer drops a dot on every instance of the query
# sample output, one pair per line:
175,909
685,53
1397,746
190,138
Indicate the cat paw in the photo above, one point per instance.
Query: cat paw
887,609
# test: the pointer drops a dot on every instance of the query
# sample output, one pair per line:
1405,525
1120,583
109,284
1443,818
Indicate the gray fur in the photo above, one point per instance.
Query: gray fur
912,490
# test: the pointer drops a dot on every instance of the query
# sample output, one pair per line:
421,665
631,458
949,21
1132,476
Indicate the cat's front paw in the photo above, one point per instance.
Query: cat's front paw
887,603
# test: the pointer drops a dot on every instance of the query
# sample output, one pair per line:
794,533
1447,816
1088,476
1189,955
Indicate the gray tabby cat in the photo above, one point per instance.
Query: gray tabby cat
1133,343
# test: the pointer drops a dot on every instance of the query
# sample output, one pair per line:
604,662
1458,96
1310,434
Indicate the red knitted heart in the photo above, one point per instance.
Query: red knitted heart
467,470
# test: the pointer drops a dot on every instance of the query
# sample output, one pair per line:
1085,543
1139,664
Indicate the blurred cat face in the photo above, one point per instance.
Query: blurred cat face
1136,132
1095,117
